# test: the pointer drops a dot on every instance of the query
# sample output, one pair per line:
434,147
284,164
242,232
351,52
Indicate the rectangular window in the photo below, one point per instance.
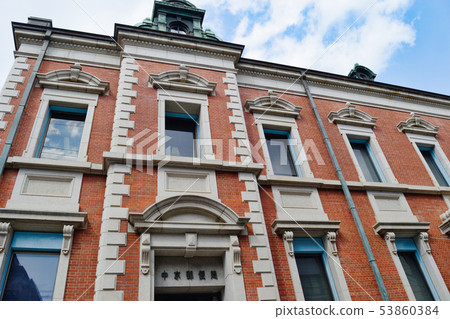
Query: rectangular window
181,135
32,266
435,166
62,134
280,152
366,161
415,270
315,274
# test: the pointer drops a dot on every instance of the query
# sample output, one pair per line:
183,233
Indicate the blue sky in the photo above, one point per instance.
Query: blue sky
406,42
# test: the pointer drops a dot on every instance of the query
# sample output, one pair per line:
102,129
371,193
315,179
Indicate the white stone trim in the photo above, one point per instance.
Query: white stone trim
63,265
351,116
63,98
272,105
168,176
263,78
186,102
73,79
9,91
21,200
242,150
365,133
391,207
122,124
417,125
429,141
259,240
301,212
445,226
182,80
111,238
284,124
189,242
6,234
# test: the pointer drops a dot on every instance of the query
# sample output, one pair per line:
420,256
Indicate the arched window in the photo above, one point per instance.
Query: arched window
178,27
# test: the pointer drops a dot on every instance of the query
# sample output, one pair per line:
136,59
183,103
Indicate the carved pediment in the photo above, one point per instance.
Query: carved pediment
273,105
417,125
189,213
182,80
351,116
73,79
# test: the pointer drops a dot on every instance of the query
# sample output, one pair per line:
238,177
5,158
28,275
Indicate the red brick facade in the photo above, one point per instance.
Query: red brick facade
424,198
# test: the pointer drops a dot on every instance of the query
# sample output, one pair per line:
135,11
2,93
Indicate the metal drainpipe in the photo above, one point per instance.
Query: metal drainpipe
348,197
23,103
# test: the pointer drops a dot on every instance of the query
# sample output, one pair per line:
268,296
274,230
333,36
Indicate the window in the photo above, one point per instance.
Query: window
32,267
280,152
366,160
314,271
435,166
62,133
415,270
178,27
181,134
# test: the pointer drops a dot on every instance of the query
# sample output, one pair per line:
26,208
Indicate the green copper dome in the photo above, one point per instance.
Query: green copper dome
178,16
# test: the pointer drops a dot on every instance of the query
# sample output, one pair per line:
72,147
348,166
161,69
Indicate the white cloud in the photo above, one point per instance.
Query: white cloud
298,32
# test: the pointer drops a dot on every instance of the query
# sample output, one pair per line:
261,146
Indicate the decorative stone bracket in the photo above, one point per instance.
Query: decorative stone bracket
5,228
390,239
236,250
423,237
145,254
288,236
331,238
67,239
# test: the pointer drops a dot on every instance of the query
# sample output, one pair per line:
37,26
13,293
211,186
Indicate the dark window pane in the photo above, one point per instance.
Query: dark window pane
313,277
31,277
63,136
415,276
180,136
431,161
365,162
280,154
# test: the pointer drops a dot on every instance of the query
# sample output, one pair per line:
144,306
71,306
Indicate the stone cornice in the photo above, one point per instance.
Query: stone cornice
180,45
401,229
357,186
21,220
302,228
154,160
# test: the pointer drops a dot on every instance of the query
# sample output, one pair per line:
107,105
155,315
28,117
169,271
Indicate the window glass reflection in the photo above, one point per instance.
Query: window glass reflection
63,136
31,277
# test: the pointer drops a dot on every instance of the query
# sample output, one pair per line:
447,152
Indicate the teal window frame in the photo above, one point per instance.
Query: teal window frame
290,149
197,129
409,246
30,242
314,246
438,163
372,158
54,108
